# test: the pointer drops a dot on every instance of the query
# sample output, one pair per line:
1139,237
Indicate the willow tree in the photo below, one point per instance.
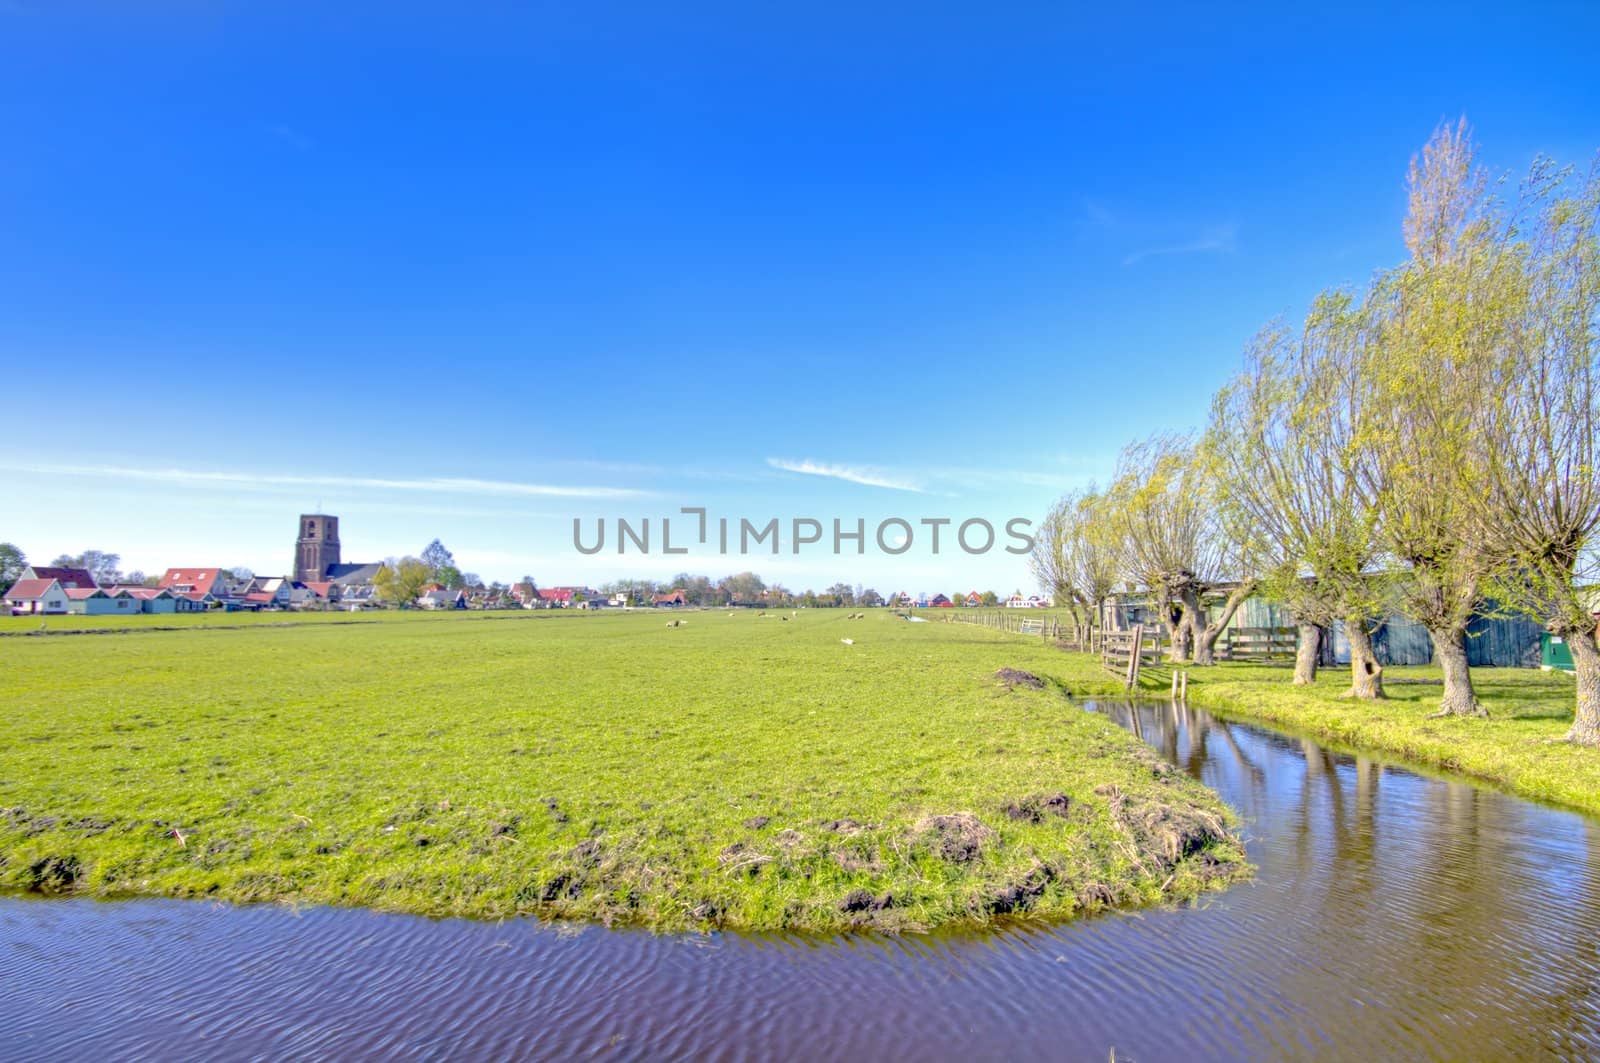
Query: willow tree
1283,443
1170,536
1436,322
1075,559
1538,423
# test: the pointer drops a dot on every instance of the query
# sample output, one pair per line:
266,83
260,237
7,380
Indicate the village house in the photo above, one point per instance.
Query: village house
972,600
1033,601
358,597
437,596
36,597
322,592
671,600
158,600
69,578
92,601
203,585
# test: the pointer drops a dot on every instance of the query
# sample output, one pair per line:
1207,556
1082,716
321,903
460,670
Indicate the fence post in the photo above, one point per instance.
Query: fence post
1133,658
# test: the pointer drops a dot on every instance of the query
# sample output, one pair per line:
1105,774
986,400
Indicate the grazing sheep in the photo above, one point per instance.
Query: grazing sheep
848,642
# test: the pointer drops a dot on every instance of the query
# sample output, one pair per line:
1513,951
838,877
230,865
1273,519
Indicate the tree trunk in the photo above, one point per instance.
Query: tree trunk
1366,674
1306,652
1450,644
1586,664
1205,648
1177,631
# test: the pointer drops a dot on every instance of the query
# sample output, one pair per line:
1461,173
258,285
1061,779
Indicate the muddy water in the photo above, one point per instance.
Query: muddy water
1394,916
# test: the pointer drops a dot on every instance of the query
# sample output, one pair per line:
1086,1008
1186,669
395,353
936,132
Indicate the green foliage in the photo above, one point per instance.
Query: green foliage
399,582
12,562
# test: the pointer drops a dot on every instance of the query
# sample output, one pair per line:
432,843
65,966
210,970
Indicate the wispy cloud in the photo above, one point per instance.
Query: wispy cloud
291,136
213,478
1098,215
856,474
1220,238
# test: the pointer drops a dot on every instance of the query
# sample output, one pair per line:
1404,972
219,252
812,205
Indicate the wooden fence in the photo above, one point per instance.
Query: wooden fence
1013,620
1261,644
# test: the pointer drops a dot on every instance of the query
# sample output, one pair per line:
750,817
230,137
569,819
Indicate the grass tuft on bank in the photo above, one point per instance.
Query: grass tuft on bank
735,771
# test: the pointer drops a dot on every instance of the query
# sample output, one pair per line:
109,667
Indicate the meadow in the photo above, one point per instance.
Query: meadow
736,771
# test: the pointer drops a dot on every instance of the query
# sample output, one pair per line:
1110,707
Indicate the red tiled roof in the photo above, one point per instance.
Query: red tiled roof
260,596
555,594
199,578
319,587
144,594
25,589
78,594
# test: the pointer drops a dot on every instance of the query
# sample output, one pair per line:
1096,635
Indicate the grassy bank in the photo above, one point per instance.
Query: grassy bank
1518,748
739,771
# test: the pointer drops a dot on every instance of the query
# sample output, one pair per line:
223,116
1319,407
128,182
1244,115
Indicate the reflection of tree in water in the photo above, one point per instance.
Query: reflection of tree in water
1476,922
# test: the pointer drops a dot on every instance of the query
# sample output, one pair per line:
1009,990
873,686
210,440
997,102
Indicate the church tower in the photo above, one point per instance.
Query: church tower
317,547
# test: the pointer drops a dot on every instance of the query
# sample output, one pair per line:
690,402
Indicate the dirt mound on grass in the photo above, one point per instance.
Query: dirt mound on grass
1016,677
53,874
1034,808
1164,835
959,838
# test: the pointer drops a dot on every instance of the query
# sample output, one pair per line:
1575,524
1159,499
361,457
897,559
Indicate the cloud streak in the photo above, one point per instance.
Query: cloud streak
436,485
1218,239
856,474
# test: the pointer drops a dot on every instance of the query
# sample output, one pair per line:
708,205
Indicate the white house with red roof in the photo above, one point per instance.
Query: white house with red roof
30,597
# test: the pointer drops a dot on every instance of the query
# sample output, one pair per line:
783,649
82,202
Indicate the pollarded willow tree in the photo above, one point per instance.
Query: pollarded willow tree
1537,423
1282,441
1436,322
1170,536
1075,559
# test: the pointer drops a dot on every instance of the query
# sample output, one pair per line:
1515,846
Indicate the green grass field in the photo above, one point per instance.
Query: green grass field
738,771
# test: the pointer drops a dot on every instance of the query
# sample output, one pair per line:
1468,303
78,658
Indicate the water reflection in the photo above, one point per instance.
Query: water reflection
1394,915
1438,916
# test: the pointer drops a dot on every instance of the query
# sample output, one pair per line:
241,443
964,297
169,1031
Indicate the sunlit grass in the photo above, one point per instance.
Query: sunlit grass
740,771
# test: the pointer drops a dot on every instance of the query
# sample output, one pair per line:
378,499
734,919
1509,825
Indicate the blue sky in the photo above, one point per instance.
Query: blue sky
471,272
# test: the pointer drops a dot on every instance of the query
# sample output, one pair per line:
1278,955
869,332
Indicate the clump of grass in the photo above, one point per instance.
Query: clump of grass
731,772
